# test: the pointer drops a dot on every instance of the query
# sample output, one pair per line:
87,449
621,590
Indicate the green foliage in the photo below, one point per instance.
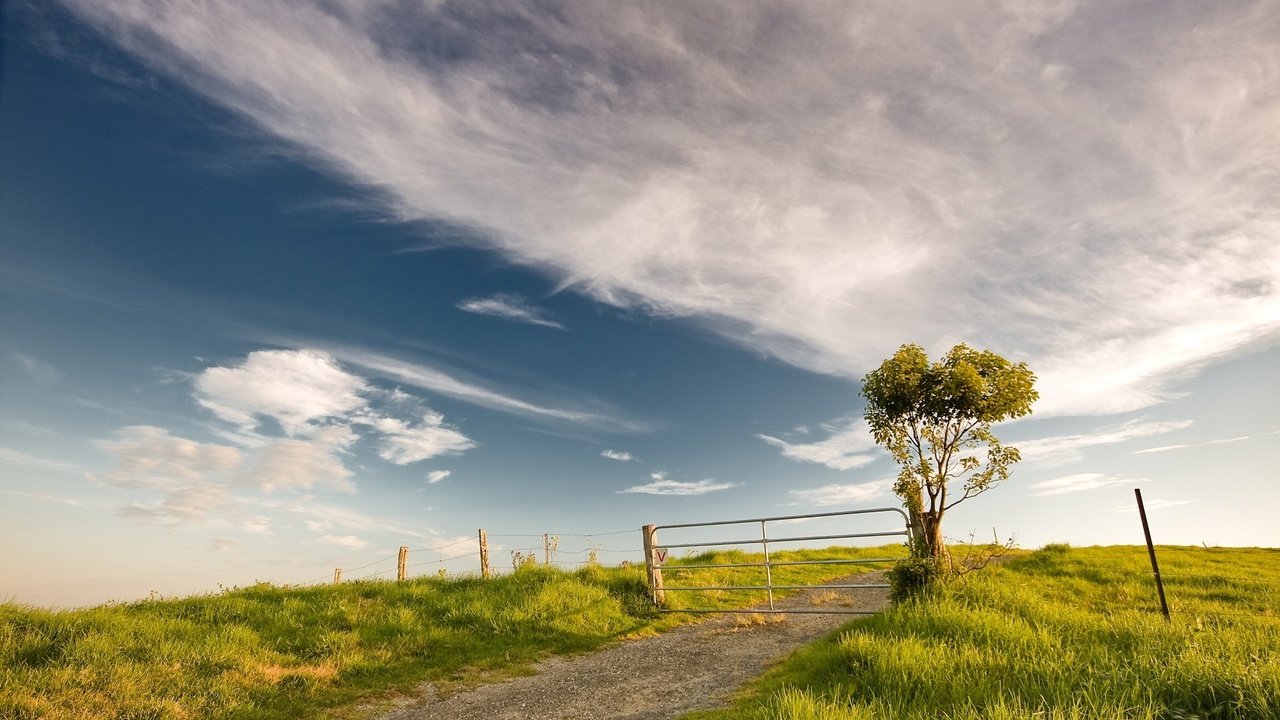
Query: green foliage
916,577
934,418
1065,633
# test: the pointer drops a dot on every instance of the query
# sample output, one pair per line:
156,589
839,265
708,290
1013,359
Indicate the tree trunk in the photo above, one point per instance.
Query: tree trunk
931,539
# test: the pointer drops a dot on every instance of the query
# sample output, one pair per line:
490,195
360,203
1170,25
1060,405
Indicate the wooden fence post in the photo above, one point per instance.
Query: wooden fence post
653,563
546,549
402,564
484,555
337,575
1151,550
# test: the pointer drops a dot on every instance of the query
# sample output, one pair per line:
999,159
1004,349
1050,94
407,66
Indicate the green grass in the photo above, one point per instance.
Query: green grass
689,572
1059,634
273,653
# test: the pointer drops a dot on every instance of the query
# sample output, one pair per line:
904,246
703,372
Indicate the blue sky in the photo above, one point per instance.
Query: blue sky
289,285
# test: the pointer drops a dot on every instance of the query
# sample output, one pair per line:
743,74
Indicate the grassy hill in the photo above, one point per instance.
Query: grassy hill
1063,633
287,652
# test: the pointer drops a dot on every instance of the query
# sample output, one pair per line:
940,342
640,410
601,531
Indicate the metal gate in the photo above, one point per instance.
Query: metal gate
656,555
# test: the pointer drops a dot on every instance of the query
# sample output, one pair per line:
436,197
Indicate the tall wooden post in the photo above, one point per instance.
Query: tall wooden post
546,549
402,564
653,563
337,576
1151,550
484,555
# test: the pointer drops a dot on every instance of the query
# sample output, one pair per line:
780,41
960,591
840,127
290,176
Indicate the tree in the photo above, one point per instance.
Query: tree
935,418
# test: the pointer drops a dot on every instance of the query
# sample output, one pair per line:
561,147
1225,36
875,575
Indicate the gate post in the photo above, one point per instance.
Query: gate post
652,565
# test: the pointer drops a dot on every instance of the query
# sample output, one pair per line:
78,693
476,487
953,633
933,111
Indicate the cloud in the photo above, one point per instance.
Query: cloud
619,455
509,307
1149,505
660,485
149,457
436,476
854,494
1090,191
311,395
346,541
35,368
15,457
290,464
429,378
403,444
1079,482
294,387
1060,449
1220,441
849,446
202,483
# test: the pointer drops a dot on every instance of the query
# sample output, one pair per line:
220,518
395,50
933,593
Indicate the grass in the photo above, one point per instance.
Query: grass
1060,634
694,571
270,653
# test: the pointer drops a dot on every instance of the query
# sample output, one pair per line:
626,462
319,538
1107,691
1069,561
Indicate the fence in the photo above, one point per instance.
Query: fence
488,554
656,554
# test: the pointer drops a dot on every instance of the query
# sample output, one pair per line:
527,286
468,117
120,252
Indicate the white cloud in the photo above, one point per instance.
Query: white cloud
403,444
1060,449
1091,191
436,476
1219,441
509,307
149,457
197,483
660,485
1149,505
290,464
619,455
346,541
294,387
16,457
1079,482
432,379
853,494
849,446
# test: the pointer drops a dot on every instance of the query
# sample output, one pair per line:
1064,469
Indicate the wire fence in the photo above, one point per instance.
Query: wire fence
505,553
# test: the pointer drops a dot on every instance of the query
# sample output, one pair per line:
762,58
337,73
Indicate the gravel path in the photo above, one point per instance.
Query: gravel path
695,667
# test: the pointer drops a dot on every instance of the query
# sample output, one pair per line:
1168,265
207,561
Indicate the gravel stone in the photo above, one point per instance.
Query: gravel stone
695,667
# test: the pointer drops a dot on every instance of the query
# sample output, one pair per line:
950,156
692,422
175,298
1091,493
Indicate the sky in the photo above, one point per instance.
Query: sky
286,286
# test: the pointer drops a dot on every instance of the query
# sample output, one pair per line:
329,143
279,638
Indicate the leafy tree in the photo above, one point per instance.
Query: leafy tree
935,418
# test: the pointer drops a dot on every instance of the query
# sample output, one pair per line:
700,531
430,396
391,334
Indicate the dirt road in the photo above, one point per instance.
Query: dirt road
690,668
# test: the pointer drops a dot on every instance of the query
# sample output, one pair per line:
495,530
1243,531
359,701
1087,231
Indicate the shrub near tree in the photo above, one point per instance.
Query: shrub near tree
935,419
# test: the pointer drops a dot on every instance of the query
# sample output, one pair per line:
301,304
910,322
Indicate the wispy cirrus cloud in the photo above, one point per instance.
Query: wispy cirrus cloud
619,455
509,307
1219,441
849,446
426,377
1046,185
1149,505
17,457
661,485
436,476
1060,449
1079,482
